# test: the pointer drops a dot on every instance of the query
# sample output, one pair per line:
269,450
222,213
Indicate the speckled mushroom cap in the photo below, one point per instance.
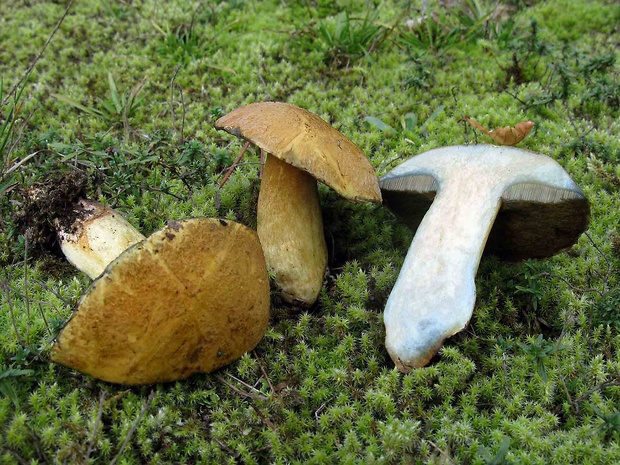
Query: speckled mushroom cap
305,141
191,298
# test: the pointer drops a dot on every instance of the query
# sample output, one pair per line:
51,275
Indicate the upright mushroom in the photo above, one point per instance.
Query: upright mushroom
302,148
190,298
457,197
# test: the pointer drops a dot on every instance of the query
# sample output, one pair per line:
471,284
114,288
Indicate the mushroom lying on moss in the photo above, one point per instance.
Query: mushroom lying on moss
457,197
191,298
302,148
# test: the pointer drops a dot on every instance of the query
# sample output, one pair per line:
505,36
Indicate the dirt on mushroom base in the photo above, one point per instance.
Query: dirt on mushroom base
47,206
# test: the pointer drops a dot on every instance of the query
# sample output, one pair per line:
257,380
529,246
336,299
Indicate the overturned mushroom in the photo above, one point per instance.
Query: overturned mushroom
457,197
191,298
302,148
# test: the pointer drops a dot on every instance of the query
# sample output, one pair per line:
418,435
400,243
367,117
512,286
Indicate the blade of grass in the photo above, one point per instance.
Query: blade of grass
79,106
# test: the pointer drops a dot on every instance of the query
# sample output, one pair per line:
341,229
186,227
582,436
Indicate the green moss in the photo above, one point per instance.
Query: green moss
533,379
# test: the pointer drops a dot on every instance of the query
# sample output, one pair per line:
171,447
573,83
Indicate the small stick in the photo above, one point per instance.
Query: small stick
172,114
26,295
96,428
262,369
133,427
228,450
240,392
263,417
234,165
49,330
21,162
441,451
7,290
244,383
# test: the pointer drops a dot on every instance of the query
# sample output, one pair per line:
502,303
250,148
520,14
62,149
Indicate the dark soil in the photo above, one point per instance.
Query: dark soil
49,206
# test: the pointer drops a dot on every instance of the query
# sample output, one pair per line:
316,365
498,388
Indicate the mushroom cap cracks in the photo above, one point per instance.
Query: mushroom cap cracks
305,141
537,217
192,297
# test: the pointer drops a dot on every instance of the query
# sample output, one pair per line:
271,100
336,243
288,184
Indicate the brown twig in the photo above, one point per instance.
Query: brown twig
7,293
235,455
248,395
26,296
91,443
172,112
47,326
133,427
234,165
441,451
600,387
52,291
262,369
263,417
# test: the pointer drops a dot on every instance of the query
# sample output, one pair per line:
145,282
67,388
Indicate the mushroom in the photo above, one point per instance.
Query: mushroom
524,203
192,297
96,237
302,149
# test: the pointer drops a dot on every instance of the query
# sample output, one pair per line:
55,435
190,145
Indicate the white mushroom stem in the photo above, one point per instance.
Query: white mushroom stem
434,295
438,274
290,229
98,236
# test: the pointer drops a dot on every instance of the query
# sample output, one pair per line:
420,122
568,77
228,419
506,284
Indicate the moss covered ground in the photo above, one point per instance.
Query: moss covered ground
128,91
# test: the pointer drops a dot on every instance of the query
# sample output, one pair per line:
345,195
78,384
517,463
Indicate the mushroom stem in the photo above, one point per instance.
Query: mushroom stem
98,236
438,274
290,229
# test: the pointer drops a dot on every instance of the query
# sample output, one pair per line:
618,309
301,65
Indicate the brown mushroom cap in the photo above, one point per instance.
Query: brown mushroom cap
191,298
305,141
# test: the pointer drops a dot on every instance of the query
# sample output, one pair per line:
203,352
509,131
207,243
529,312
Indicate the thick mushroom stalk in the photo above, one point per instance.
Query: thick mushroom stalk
434,295
98,236
291,236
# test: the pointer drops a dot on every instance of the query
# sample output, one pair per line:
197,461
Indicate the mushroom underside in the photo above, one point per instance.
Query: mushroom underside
522,229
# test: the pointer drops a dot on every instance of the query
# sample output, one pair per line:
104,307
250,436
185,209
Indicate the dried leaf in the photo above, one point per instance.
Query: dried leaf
507,135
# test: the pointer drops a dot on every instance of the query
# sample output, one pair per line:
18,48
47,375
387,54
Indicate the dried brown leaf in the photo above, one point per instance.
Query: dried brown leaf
507,135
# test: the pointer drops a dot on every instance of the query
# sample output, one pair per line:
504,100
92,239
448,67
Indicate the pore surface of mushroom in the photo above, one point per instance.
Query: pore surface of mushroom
524,203
302,148
192,297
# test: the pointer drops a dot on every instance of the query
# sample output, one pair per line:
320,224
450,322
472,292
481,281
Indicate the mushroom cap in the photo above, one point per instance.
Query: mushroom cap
305,141
192,297
540,214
